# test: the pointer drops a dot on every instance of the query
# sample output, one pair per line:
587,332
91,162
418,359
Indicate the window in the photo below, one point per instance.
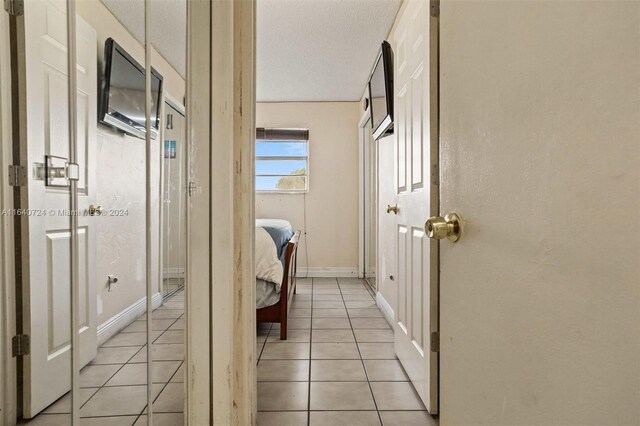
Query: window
282,160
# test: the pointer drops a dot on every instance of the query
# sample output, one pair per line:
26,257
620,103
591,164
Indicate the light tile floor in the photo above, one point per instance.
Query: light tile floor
337,366
113,385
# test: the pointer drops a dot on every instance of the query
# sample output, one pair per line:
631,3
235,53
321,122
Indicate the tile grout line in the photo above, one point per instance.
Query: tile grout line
310,357
167,329
163,389
264,344
105,382
375,403
312,330
150,347
122,365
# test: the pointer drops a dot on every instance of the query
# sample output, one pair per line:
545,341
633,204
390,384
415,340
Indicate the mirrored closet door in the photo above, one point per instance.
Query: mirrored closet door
58,286
167,32
99,336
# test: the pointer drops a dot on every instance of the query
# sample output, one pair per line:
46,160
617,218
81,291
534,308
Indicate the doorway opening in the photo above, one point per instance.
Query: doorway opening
174,237
369,219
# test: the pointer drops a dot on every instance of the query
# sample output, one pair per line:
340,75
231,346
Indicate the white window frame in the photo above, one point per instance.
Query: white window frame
284,158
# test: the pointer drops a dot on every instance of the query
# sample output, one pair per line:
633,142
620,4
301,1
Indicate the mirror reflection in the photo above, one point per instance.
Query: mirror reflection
111,201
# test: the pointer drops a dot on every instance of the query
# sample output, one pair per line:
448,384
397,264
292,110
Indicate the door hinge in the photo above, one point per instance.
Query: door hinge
14,7
435,341
17,175
435,8
20,345
435,174
192,188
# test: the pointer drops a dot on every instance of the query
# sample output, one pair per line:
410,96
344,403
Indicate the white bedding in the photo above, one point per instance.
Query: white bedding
268,266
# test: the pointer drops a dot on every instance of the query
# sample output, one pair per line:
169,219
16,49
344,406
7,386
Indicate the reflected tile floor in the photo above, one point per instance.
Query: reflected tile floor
113,385
171,285
337,366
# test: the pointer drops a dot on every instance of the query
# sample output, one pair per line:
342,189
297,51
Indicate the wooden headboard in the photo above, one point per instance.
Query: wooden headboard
290,267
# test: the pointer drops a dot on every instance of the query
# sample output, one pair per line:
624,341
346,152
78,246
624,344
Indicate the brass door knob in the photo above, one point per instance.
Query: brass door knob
393,209
95,210
439,228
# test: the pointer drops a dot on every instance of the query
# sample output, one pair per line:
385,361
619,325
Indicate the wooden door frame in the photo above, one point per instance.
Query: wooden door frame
221,358
8,392
198,273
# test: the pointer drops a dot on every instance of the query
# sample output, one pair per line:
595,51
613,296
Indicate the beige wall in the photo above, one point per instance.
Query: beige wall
332,200
540,154
121,172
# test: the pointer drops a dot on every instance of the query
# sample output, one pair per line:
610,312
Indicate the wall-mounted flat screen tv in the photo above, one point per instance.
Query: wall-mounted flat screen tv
381,92
122,102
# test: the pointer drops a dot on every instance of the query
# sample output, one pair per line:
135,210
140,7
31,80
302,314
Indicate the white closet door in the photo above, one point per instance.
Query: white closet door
46,236
416,312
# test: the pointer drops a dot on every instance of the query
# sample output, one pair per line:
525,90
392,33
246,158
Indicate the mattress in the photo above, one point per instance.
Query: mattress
268,293
281,232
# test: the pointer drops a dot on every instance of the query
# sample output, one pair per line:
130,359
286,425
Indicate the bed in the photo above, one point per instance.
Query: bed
276,254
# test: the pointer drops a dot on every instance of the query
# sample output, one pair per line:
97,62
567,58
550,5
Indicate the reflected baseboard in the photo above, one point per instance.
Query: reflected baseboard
116,323
168,273
327,271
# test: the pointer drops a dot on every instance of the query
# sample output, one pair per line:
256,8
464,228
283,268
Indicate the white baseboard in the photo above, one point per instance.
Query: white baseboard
116,323
173,273
328,271
386,309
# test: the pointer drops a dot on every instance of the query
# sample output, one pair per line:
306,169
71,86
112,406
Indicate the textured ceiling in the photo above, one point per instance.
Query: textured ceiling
319,50
307,50
168,26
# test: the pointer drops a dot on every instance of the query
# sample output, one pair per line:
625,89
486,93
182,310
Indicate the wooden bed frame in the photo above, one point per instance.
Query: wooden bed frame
278,312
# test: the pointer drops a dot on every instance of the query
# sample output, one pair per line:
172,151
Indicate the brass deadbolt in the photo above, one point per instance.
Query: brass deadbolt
439,228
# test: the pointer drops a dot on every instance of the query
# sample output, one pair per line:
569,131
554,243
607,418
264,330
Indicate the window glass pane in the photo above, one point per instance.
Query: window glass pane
281,149
281,183
281,167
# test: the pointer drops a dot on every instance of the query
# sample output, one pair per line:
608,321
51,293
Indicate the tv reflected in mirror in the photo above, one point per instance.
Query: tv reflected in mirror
122,102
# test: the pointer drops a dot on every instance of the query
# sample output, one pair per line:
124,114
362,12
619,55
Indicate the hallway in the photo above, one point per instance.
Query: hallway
338,365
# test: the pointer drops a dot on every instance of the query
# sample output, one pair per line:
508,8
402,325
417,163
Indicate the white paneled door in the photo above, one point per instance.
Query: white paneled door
46,232
416,315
